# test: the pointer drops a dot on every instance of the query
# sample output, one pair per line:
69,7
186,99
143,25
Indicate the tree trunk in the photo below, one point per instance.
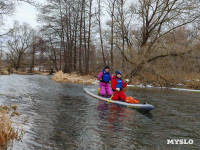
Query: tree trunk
85,46
112,33
33,59
88,57
100,32
80,50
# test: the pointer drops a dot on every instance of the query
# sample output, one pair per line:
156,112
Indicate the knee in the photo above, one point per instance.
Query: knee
102,92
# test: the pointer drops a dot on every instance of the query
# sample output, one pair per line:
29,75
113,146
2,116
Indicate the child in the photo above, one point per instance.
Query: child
116,85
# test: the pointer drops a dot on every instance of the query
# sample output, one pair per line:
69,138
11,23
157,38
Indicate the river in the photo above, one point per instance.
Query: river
61,116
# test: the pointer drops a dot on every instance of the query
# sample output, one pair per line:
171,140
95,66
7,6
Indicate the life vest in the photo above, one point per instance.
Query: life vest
106,76
119,83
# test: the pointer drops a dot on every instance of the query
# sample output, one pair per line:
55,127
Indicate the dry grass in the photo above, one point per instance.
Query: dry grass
4,72
147,78
20,72
7,133
72,78
192,76
190,81
193,85
28,73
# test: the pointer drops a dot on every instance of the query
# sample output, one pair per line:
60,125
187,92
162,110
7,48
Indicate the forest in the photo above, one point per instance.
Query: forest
160,38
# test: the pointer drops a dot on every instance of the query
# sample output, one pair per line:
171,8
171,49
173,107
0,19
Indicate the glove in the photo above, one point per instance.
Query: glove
127,80
118,89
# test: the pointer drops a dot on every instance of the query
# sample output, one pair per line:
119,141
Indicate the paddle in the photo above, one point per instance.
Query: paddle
122,85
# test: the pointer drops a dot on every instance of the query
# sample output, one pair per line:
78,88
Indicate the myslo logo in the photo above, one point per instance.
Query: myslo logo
179,141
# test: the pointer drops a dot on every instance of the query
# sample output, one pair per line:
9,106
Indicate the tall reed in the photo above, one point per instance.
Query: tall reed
7,132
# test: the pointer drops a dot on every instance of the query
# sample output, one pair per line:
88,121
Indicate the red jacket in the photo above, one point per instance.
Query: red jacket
114,83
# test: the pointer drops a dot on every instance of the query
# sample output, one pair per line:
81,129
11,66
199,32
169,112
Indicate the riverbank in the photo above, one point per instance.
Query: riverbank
189,85
4,72
177,89
12,71
31,73
73,78
7,132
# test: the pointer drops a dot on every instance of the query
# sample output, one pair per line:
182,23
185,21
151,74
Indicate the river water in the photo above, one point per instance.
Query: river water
61,116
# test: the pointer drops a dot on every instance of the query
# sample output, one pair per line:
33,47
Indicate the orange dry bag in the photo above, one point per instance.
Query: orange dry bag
131,100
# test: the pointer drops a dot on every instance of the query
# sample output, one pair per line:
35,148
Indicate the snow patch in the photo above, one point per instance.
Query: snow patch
150,86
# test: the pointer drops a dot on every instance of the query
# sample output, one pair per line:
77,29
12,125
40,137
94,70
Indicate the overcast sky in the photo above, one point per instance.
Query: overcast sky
24,12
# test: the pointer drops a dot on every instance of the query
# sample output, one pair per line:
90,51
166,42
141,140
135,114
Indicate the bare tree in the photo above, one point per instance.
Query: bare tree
33,51
100,30
158,19
165,17
1,54
89,37
121,21
6,8
71,25
80,36
18,43
111,12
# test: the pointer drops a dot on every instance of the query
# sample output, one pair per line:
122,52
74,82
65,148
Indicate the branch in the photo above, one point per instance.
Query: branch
124,54
31,2
167,55
179,26
7,32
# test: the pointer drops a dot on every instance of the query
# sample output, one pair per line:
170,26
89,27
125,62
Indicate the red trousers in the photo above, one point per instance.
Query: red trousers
119,95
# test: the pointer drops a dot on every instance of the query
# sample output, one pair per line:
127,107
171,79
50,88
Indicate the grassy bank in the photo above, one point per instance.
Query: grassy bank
73,78
4,72
30,73
189,82
7,132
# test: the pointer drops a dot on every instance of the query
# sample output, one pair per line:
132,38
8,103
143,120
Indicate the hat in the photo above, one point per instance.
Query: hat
118,72
106,67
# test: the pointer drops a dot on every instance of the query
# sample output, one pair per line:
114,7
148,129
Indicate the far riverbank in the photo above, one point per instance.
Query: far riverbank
193,86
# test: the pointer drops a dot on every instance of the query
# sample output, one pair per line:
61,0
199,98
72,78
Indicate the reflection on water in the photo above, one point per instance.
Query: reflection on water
114,114
62,116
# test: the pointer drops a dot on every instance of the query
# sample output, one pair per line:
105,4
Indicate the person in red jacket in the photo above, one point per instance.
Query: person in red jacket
116,85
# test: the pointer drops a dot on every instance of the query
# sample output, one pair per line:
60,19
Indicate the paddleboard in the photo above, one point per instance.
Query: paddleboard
143,107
